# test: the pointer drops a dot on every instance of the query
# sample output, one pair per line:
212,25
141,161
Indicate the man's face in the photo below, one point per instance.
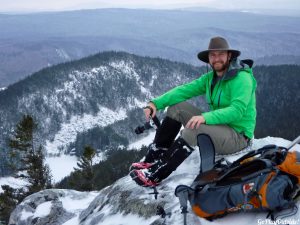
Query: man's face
219,60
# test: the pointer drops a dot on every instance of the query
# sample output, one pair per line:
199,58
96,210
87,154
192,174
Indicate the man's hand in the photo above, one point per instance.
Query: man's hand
148,111
195,122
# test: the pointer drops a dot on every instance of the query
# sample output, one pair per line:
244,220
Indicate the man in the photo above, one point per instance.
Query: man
230,92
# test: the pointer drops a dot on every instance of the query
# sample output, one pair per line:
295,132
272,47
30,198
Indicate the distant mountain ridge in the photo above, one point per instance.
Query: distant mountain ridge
97,100
34,41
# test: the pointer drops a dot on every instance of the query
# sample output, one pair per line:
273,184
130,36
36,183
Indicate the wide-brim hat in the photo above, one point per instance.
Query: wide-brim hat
217,44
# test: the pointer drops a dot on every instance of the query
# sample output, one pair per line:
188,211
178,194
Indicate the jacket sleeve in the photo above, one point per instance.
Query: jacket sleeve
241,90
181,93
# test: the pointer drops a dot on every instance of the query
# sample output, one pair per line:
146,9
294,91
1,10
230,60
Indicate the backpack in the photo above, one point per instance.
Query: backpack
267,179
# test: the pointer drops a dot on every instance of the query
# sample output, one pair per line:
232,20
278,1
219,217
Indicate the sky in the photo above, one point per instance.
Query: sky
62,5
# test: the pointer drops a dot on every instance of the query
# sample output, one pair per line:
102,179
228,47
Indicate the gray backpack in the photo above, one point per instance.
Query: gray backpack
266,179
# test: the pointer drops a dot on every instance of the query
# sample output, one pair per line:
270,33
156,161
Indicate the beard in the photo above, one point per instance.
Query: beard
220,66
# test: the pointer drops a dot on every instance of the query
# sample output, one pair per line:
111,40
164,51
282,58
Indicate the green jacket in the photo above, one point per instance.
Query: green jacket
232,101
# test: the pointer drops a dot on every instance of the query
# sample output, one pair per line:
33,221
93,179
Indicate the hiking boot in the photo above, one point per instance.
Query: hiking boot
164,138
154,153
149,167
141,178
158,152
180,151
151,160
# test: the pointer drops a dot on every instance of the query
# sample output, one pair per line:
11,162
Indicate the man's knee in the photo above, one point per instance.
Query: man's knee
173,110
182,112
190,136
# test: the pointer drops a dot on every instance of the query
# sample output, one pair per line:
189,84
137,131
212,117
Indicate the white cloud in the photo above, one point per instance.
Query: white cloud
38,5
256,4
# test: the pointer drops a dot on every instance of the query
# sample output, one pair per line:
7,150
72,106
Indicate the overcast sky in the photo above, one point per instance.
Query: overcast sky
61,5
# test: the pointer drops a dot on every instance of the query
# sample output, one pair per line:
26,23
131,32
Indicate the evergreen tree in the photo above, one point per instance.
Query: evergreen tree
105,172
7,203
39,176
21,145
27,163
85,170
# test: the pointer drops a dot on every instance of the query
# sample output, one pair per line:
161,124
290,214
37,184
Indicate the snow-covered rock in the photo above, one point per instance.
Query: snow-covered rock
125,203
50,207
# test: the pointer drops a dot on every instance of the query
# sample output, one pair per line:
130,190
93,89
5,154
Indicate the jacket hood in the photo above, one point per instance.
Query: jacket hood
236,65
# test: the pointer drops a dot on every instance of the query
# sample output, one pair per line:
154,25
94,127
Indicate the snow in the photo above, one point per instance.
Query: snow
77,124
137,104
13,182
61,166
73,202
272,140
42,210
2,88
126,68
25,215
63,54
144,141
72,221
128,219
153,78
76,205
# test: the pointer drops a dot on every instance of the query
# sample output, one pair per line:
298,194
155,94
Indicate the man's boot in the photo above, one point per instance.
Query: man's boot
180,151
158,150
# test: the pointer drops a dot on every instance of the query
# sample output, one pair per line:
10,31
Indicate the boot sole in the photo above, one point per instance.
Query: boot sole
135,178
138,181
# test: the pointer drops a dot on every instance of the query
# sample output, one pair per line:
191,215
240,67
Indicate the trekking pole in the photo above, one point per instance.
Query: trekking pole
296,141
157,122
147,125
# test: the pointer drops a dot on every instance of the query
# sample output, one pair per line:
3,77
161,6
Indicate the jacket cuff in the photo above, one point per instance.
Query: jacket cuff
156,104
208,117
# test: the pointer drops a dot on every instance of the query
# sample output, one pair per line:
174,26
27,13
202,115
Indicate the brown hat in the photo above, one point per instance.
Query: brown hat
217,43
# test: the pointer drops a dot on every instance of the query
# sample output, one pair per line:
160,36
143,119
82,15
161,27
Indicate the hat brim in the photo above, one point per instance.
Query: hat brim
203,56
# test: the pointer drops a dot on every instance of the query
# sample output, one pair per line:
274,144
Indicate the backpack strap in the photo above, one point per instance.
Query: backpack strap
274,215
207,152
182,192
266,149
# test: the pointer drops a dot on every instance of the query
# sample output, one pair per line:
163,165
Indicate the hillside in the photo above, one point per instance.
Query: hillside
97,100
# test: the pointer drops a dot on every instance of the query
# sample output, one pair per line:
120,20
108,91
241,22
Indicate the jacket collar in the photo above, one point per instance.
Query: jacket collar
237,65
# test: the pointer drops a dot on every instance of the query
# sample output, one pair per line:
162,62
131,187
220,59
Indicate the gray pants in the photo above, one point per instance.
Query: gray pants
226,140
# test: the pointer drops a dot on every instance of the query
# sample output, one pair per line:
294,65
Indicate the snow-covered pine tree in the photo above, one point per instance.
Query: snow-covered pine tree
27,161
85,170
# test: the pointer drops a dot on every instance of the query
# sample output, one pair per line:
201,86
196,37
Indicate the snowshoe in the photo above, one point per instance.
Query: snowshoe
151,167
141,178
